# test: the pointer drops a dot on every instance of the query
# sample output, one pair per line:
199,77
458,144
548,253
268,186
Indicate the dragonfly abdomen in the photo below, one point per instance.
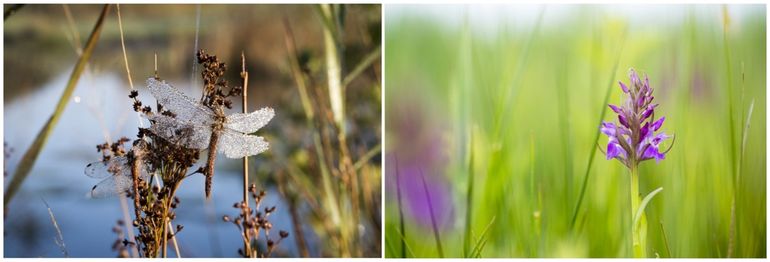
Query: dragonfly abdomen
210,162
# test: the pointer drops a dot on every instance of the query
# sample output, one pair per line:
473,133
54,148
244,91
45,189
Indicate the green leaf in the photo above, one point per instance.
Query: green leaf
644,203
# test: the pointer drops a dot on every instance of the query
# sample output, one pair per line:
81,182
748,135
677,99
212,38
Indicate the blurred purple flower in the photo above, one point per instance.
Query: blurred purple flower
416,151
633,140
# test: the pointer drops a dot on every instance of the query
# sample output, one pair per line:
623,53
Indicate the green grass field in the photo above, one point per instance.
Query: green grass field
502,120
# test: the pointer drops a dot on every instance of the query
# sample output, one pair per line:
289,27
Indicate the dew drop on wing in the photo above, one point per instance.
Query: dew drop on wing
251,122
181,133
185,108
237,145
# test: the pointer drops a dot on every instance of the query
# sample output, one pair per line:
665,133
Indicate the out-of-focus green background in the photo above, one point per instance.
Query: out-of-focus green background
518,91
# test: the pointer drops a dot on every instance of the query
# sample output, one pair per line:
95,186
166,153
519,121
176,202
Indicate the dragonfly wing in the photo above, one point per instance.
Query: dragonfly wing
251,122
117,184
102,169
180,132
186,109
237,145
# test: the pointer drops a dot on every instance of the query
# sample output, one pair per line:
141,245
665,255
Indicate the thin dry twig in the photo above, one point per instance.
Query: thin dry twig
59,237
244,96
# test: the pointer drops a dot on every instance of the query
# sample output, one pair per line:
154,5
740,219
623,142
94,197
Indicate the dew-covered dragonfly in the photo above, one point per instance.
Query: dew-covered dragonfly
116,176
197,126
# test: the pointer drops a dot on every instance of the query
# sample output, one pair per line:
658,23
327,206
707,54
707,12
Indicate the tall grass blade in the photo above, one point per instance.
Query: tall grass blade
331,34
406,245
665,239
476,251
30,156
517,74
400,210
432,217
610,82
469,200
733,157
564,126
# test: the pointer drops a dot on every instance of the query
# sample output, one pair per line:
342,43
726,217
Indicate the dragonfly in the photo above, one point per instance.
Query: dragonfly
116,176
197,126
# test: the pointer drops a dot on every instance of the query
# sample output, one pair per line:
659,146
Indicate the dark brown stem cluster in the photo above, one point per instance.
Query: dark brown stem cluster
251,222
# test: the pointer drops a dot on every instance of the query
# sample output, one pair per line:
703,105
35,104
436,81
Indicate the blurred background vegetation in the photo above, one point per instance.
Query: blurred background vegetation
41,46
492,113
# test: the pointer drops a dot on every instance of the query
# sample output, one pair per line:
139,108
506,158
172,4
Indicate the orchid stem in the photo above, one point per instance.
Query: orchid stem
637,240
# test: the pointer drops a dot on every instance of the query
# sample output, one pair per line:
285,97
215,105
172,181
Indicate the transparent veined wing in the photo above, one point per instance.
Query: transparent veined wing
102,169
112,186
237,145
181,133
185,108
251,122
117,177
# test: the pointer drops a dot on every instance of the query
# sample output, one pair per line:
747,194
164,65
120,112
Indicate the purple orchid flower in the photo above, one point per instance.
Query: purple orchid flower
633,139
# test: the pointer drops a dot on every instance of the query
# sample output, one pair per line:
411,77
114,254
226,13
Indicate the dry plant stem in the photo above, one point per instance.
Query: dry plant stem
75,36
329,197
123,46
365,63
299,237
173,241
296,71
333,68
244,95
166,229
135,169
30,156
59,237
332,47
126,217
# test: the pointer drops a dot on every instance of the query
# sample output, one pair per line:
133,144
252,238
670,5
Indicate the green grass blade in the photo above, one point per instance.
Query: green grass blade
476,252
665,239
597,135
30,156
406,245
400,211
432,218
469,200
521,64
744,137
